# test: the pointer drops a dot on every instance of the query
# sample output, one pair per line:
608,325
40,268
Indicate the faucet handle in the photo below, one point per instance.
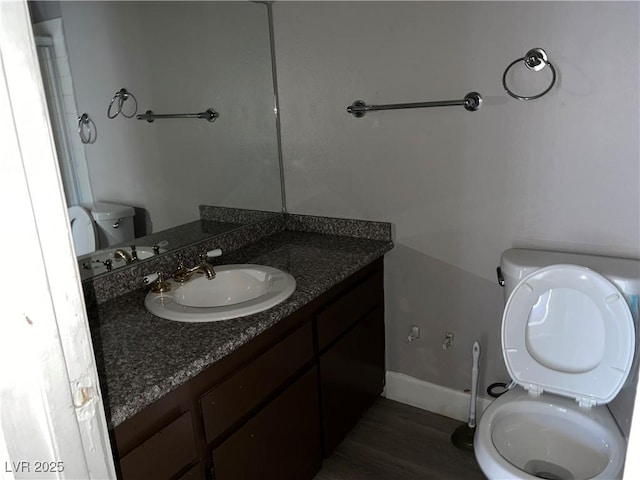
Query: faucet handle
158,246
148,279
204,256
134,254
160,285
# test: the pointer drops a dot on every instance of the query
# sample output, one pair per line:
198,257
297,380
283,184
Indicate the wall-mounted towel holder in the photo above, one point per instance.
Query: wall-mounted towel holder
471,101
209,114
87,129
535,59
119,99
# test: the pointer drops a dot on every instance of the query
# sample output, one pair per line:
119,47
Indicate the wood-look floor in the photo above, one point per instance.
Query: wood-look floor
394,441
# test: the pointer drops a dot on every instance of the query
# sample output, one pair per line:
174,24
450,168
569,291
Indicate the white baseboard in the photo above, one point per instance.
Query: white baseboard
431,397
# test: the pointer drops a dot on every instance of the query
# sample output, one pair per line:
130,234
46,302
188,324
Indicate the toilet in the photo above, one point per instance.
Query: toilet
100,225
568,342
83,230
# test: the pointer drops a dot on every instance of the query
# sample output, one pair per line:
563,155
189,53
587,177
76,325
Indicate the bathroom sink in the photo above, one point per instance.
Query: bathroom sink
236,291
94,262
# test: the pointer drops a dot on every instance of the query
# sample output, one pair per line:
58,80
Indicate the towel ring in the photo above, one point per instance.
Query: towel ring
536,60
87,129
122,96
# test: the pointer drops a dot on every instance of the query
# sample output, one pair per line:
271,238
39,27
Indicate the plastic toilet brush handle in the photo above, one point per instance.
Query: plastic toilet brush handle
474,384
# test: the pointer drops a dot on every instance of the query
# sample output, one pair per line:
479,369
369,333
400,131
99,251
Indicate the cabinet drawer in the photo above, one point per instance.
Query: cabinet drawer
348,309
282,442
230,401
164,454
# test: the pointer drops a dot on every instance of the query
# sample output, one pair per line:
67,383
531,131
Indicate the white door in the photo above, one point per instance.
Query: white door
52,421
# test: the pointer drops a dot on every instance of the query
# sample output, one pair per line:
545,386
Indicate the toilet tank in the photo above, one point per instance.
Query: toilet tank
517,263
114,223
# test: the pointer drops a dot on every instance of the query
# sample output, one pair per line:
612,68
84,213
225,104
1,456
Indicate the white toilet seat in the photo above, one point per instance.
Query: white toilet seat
83,230
564,326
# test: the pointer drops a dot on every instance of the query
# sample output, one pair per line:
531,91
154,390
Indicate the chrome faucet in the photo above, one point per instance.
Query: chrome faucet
183,274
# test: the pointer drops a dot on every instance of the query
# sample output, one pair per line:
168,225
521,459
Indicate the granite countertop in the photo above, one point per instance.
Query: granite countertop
141,357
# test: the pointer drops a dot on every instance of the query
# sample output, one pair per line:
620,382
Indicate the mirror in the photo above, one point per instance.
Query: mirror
172,58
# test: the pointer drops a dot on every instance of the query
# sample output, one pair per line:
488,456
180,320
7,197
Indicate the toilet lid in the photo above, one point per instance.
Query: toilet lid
83,230
568,330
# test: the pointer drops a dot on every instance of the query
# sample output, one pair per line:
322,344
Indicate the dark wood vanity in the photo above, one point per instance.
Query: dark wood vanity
275,406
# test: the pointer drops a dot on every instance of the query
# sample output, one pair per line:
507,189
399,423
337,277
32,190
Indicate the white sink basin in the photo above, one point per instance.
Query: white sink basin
236,291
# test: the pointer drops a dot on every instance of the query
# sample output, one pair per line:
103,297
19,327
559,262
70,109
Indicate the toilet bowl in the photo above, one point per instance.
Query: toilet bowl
568,341
520,436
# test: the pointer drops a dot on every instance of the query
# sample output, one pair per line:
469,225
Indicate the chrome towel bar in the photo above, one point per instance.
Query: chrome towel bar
471,101
210,115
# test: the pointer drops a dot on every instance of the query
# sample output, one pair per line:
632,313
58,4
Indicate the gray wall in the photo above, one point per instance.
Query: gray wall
561,172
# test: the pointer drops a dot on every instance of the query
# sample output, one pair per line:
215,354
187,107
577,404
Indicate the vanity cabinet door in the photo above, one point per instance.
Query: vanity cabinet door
352,376
282,442
231,401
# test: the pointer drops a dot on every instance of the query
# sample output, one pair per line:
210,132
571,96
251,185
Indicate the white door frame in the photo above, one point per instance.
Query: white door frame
52,421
